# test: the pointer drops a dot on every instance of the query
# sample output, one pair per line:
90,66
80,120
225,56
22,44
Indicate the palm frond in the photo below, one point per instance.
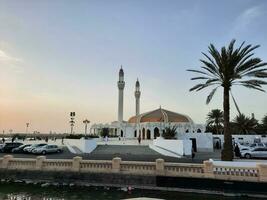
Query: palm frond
200,77
254,82
212,80
196,87
197,71
212,61
256,66
231,47
248,65
205,85
261,74
210,68
209,97
253,87
237,108
215,54
254,72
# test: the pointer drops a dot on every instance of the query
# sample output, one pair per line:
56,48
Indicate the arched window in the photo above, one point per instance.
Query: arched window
135,133
121,133
198,130
143,133
156,132
148,134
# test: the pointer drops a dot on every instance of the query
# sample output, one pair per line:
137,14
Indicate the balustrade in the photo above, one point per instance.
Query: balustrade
159,167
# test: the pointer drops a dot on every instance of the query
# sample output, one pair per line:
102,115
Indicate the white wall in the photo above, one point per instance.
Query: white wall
204,141
180,147
246,138
85,145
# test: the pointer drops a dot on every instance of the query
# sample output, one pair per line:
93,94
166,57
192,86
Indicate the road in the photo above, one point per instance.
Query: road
126,152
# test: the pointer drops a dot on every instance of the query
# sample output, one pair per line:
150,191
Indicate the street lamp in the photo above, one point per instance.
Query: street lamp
27,126
86,121
72,115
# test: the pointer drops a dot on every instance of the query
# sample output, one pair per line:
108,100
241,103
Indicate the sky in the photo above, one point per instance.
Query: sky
62,56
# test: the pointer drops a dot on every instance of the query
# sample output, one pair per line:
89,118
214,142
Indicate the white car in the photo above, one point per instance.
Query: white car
50,148
256,145
259,152
32,147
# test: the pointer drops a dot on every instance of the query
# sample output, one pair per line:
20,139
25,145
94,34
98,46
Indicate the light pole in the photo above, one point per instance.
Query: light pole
72,115
86,121
27,126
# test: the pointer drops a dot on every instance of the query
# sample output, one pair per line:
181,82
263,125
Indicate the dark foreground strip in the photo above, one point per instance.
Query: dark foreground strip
181,184
212,185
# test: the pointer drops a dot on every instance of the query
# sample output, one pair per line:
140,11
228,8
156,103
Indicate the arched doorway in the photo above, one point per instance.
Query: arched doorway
121,133
143,133
148,134
156,132
135,133
198,130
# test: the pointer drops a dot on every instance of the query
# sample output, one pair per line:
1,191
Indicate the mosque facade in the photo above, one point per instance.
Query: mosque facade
148,125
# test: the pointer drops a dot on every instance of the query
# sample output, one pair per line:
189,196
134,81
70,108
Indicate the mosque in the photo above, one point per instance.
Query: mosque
148,125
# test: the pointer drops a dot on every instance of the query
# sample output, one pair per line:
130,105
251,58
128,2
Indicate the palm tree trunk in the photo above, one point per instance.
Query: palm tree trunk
227,152
217,128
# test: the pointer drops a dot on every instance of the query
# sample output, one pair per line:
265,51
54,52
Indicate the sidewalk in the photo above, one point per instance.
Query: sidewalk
116,141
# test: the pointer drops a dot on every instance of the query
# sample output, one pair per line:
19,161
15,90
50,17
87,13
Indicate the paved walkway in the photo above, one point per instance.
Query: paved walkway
126,152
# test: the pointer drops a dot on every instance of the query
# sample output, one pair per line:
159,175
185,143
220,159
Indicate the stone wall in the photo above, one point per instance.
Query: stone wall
118,168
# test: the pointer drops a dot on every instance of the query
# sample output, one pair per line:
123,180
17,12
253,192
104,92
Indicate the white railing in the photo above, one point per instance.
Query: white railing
138,167
159,167
184,169
236,173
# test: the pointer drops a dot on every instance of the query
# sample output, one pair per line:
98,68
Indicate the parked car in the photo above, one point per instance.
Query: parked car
32,147
259,152
20,148
47,149
8,146
255,145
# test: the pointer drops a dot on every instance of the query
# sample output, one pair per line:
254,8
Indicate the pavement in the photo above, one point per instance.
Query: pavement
126,152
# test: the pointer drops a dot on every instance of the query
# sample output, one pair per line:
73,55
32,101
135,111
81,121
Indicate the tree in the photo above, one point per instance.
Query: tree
104,132
169,132
215,119
245,124
231,66
264,124
86,121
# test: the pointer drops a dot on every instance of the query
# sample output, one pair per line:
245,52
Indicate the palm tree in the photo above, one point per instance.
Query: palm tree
215,118
231,66
86,121
169,132
245,124
264,123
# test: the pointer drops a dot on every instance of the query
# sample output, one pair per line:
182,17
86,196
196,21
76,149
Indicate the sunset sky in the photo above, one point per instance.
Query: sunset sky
64,55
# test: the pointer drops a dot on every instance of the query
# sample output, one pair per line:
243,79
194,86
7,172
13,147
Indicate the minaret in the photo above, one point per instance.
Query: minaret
121,85
137,95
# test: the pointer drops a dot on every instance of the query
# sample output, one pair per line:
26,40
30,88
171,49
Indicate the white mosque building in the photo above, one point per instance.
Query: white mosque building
149,125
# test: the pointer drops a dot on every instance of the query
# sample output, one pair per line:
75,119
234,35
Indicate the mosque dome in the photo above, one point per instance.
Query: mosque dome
161,115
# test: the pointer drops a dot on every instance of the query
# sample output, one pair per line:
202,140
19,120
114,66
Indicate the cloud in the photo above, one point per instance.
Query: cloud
4,57
247,18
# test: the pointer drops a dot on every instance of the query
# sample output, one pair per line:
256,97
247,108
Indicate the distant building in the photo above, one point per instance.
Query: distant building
148,125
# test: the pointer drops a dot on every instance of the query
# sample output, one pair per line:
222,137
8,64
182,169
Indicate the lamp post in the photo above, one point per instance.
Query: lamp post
86,121
72,122
27,126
